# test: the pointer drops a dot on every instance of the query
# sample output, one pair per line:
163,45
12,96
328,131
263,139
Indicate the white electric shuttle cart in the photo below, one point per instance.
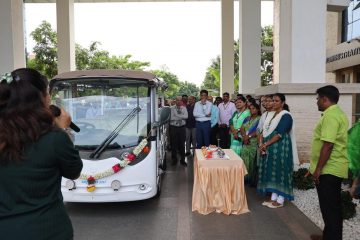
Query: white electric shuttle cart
122,136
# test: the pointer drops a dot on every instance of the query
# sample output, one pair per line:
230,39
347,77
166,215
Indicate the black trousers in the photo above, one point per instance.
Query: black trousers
224,136
214,135
177,138
329,192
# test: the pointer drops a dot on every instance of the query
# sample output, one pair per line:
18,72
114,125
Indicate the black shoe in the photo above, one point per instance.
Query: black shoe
183,163
316,237
187,154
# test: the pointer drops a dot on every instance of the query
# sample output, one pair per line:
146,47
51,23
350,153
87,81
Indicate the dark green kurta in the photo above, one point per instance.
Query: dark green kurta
31,204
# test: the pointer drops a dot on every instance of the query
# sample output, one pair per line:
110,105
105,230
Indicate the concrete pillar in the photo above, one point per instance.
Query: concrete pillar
300,50
12,43
227,47
65,34
249,46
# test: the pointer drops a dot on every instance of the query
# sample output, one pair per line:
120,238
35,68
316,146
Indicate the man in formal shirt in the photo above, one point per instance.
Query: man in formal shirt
202,114
226,110
190,126
329,162
178,118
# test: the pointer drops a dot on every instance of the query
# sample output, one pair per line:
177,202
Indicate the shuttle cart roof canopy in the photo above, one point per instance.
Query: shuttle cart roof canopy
105,73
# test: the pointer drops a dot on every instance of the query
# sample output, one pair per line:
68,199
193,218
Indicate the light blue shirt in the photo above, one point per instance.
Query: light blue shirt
201,111
214,115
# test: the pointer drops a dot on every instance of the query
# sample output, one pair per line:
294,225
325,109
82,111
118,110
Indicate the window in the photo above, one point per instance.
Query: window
351,21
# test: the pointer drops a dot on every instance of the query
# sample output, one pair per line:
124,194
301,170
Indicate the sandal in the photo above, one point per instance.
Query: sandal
266,203
277,205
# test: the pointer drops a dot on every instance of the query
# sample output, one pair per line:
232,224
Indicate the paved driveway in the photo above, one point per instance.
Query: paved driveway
170,217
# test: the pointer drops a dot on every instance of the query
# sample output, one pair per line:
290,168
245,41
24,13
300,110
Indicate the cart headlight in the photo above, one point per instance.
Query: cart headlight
70,184
115,185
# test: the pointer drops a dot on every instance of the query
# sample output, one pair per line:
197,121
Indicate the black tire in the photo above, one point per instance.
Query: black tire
163,164
158,187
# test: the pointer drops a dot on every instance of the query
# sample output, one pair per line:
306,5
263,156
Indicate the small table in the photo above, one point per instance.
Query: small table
219,184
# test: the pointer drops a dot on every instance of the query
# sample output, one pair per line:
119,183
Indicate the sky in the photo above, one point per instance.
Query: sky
182,37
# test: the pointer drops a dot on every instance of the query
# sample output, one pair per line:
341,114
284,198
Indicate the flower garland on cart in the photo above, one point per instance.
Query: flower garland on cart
126,159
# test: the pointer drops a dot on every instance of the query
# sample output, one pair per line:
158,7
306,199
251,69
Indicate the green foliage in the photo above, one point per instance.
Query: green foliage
171,80
189,89
93,57
267,68
45,49
302,180
212,77
348,207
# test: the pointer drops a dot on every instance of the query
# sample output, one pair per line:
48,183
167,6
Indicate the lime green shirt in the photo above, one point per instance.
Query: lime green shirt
332,127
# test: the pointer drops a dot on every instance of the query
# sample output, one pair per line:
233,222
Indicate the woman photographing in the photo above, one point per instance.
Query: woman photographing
279,153
35,153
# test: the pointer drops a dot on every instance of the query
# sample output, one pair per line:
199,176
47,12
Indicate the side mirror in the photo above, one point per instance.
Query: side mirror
164,116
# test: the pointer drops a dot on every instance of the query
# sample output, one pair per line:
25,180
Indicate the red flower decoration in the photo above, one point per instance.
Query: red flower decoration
116,168
131,156
146,149
91,180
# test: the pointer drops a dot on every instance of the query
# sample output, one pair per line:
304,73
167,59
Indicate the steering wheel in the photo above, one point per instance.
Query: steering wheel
85,126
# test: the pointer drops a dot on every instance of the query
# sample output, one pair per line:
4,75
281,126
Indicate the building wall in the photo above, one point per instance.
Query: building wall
333,37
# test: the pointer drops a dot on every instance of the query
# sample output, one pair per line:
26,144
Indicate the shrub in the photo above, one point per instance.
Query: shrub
302,180
348,207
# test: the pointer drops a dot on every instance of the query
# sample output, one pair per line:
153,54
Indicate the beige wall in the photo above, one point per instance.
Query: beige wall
333,37
333,29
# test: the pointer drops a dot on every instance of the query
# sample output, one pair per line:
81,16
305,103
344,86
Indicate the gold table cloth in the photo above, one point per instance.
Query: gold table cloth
219,184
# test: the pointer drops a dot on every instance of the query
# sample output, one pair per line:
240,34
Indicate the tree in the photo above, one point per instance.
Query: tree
267,56
212,77
93,57
171,80
45,50
189,89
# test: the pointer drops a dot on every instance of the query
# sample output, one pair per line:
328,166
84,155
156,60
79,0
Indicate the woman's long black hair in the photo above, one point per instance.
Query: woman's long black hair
24,113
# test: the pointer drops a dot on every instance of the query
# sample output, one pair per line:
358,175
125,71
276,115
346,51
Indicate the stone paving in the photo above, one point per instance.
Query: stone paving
170,217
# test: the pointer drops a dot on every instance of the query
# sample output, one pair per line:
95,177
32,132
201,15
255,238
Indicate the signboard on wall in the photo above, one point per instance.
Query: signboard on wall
344,55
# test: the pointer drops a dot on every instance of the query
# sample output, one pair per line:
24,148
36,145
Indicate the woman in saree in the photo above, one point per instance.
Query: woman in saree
235,123
279,154
250,143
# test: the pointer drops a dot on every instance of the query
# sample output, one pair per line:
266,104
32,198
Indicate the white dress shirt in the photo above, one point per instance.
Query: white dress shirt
202,112
226,111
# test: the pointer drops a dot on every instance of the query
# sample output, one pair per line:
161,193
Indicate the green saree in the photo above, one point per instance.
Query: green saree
248,151
236,121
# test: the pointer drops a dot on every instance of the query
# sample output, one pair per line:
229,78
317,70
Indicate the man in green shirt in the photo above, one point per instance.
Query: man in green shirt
329,163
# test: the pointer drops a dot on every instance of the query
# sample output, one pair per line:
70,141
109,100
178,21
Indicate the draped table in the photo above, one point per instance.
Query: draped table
219,184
